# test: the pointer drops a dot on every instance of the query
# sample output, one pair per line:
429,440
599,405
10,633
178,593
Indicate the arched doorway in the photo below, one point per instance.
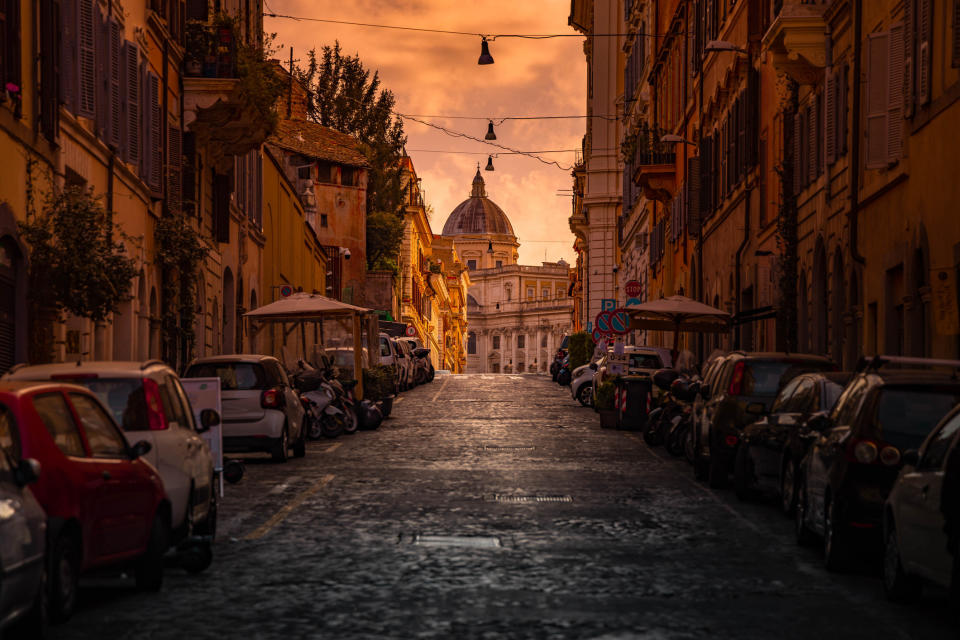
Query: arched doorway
13,338
803,323
837,308
215,326
229,312
820,299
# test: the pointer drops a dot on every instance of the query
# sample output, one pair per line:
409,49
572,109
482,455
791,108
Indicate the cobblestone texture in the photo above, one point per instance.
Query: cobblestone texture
642,551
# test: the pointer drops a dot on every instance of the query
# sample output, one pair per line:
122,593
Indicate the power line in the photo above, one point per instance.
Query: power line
502,119
498,153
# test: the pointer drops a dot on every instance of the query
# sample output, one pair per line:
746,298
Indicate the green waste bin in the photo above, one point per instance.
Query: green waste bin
633,402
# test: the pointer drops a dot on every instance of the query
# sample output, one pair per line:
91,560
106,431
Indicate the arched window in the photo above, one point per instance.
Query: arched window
472,343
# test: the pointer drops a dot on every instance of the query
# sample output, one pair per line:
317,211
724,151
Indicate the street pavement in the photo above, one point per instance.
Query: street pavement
493,506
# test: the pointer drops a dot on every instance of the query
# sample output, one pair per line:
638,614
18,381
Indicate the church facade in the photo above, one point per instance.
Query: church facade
517,314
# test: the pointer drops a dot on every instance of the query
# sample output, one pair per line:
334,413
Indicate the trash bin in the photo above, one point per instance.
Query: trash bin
633,402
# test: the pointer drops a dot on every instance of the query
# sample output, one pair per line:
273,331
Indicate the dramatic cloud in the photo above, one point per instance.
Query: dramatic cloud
437,74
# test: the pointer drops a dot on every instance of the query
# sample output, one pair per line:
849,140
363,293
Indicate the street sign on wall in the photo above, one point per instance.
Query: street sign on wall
632,301
286,291
633,289
608,304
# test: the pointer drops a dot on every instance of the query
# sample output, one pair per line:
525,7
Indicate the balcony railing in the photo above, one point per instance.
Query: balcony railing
648,148
211,51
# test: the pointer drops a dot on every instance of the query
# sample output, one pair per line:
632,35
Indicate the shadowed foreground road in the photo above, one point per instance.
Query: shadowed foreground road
431,528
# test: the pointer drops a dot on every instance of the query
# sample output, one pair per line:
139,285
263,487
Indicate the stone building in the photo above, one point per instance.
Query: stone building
517,314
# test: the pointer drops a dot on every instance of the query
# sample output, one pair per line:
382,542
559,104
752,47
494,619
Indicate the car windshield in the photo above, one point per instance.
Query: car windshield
234,376
767,377
906,415
123,397
645,361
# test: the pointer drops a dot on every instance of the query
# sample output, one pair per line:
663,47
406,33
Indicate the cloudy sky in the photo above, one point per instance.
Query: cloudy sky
437,74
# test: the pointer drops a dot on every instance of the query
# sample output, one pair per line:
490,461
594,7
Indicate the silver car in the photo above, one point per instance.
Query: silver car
261,409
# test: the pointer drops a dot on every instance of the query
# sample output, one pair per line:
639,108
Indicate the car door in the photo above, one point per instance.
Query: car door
923,543
768,433
198,461
123,501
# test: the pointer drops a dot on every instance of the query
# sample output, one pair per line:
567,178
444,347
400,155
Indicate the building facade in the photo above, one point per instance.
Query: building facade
517,314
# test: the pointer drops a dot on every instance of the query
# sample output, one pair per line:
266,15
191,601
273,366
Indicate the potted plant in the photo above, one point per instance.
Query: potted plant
378,386
605,404
197,47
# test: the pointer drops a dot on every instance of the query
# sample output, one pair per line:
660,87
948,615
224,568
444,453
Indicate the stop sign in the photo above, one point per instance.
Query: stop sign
633,289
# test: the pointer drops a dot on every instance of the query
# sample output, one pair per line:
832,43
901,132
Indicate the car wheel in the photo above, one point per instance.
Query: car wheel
280,446
834,541
149,569
744,482
800,530
788,486
197,558
65,578
34,625
897,584
585,395
332,425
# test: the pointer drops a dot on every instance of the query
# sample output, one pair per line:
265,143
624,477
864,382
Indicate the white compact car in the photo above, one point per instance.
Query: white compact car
147,401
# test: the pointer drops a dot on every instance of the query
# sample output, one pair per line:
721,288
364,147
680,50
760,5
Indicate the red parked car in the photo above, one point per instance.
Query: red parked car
104,505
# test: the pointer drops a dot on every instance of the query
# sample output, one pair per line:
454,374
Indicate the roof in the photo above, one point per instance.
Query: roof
320,142
233,357
914,377
303,306
16,387
478,214
100,367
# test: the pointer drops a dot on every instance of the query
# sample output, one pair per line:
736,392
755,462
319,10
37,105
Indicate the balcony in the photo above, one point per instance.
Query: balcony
796,39
654,163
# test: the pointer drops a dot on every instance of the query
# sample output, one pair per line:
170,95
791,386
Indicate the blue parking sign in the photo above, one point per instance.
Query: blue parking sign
608,304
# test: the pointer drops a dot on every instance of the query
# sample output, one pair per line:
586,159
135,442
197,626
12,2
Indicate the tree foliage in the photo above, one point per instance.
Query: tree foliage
581,349
343,95
76,264
180,254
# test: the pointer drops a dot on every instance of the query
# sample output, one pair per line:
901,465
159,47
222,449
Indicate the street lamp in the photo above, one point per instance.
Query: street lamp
489,166
719,46
485,57
490,134
672,138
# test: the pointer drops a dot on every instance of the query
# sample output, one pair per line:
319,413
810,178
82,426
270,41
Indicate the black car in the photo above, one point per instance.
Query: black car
742,392
855,456
559,357
772,448
701,419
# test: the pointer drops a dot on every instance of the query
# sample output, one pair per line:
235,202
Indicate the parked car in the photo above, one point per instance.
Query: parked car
916,545
408,366
857,449
559,356
261,409
105,503
742,392
772,448
581,385
147,401
23,528
701,418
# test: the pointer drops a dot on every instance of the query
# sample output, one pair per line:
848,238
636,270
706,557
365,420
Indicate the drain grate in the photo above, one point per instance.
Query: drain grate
512,499
472,542
508,447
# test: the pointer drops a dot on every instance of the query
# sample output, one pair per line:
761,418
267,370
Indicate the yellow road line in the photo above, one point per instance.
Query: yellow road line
333,447
278,517
442,387
397,400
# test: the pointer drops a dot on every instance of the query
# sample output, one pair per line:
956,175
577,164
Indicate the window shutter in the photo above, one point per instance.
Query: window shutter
753,117
955,52
131,103
909,26
221,207
154,146
895,95
86,49
49,70
10,47
830,125
925,53
876,92
144,123
69,70
116,50
742,151
797,155
101,91
693,194
812,134
174,166
844,119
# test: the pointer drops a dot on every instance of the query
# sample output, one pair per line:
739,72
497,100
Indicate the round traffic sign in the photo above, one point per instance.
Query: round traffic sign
603,321
633,289
620,321
411,331
286,291
597,336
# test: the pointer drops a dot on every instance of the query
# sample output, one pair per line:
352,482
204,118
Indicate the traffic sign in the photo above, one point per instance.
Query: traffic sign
632,301
619,321
597,336
633,289
608,304
603,322
411,331
286,291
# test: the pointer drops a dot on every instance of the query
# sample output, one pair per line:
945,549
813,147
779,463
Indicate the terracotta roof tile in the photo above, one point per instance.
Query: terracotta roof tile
320,142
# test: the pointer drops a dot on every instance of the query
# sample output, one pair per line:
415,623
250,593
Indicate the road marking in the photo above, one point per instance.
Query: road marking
333,447
280,487
442,387
278,517
397,400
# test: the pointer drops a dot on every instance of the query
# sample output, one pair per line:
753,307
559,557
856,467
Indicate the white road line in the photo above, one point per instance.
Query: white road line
442,387
278,517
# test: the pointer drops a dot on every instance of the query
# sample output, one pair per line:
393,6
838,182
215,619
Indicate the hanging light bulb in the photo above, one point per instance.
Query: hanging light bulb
490,247
485,57
489,166
490,134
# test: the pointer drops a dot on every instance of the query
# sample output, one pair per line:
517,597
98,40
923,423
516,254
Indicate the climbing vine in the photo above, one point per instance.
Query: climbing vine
180,253
787,238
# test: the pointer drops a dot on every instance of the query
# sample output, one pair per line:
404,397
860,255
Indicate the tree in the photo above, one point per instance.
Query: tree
343,95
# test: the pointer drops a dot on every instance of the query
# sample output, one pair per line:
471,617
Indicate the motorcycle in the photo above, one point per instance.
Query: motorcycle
324,418
685,391
565,376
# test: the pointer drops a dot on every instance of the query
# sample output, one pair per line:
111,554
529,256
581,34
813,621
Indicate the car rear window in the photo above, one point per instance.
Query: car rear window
906,415
124,398
234,376
767,377
645,361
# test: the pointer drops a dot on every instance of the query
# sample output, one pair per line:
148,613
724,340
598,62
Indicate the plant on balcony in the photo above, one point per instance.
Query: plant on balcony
77,265
179,256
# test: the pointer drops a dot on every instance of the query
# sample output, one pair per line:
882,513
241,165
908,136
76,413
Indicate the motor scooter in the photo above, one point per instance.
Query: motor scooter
318,396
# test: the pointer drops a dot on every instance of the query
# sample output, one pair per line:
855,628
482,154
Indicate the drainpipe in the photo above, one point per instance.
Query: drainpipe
855,142
739,256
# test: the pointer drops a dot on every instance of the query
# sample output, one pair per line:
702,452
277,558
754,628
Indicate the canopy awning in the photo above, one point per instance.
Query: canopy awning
678,313
303,306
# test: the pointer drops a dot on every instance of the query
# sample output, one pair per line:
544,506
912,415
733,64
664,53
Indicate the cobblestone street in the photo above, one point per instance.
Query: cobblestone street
623,544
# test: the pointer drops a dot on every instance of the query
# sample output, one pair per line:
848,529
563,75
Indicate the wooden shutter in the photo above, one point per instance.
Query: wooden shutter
144,123
876,128
69,67
925,50
909,27
115,98
742,136
154,143
830,113
130,113
174,166
101,87
693,195
955,51
812,134
895,95
797,155
753,116
49,70
844,119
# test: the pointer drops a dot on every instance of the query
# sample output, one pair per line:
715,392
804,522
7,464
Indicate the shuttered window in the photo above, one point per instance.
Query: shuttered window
130,113
895,94
221,207
830,114
924,49
69,58
114,97
955,51
153,147
49,69
812,136
174,166
878,76
10,60
693,195
796,151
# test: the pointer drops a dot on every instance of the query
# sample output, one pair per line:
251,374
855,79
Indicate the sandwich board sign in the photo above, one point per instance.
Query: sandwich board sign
204,393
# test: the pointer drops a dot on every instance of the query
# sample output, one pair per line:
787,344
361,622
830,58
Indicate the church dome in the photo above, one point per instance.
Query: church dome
478,214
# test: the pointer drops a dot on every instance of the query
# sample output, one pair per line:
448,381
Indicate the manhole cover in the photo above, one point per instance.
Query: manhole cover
473,542
512,499
507,447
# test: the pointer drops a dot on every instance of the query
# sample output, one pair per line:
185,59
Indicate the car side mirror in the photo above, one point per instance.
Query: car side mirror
593,365
208,418
910,458
705,391
27,472
140,449
756,408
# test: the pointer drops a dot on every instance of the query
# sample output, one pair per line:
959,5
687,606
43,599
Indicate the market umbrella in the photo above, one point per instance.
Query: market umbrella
678,313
